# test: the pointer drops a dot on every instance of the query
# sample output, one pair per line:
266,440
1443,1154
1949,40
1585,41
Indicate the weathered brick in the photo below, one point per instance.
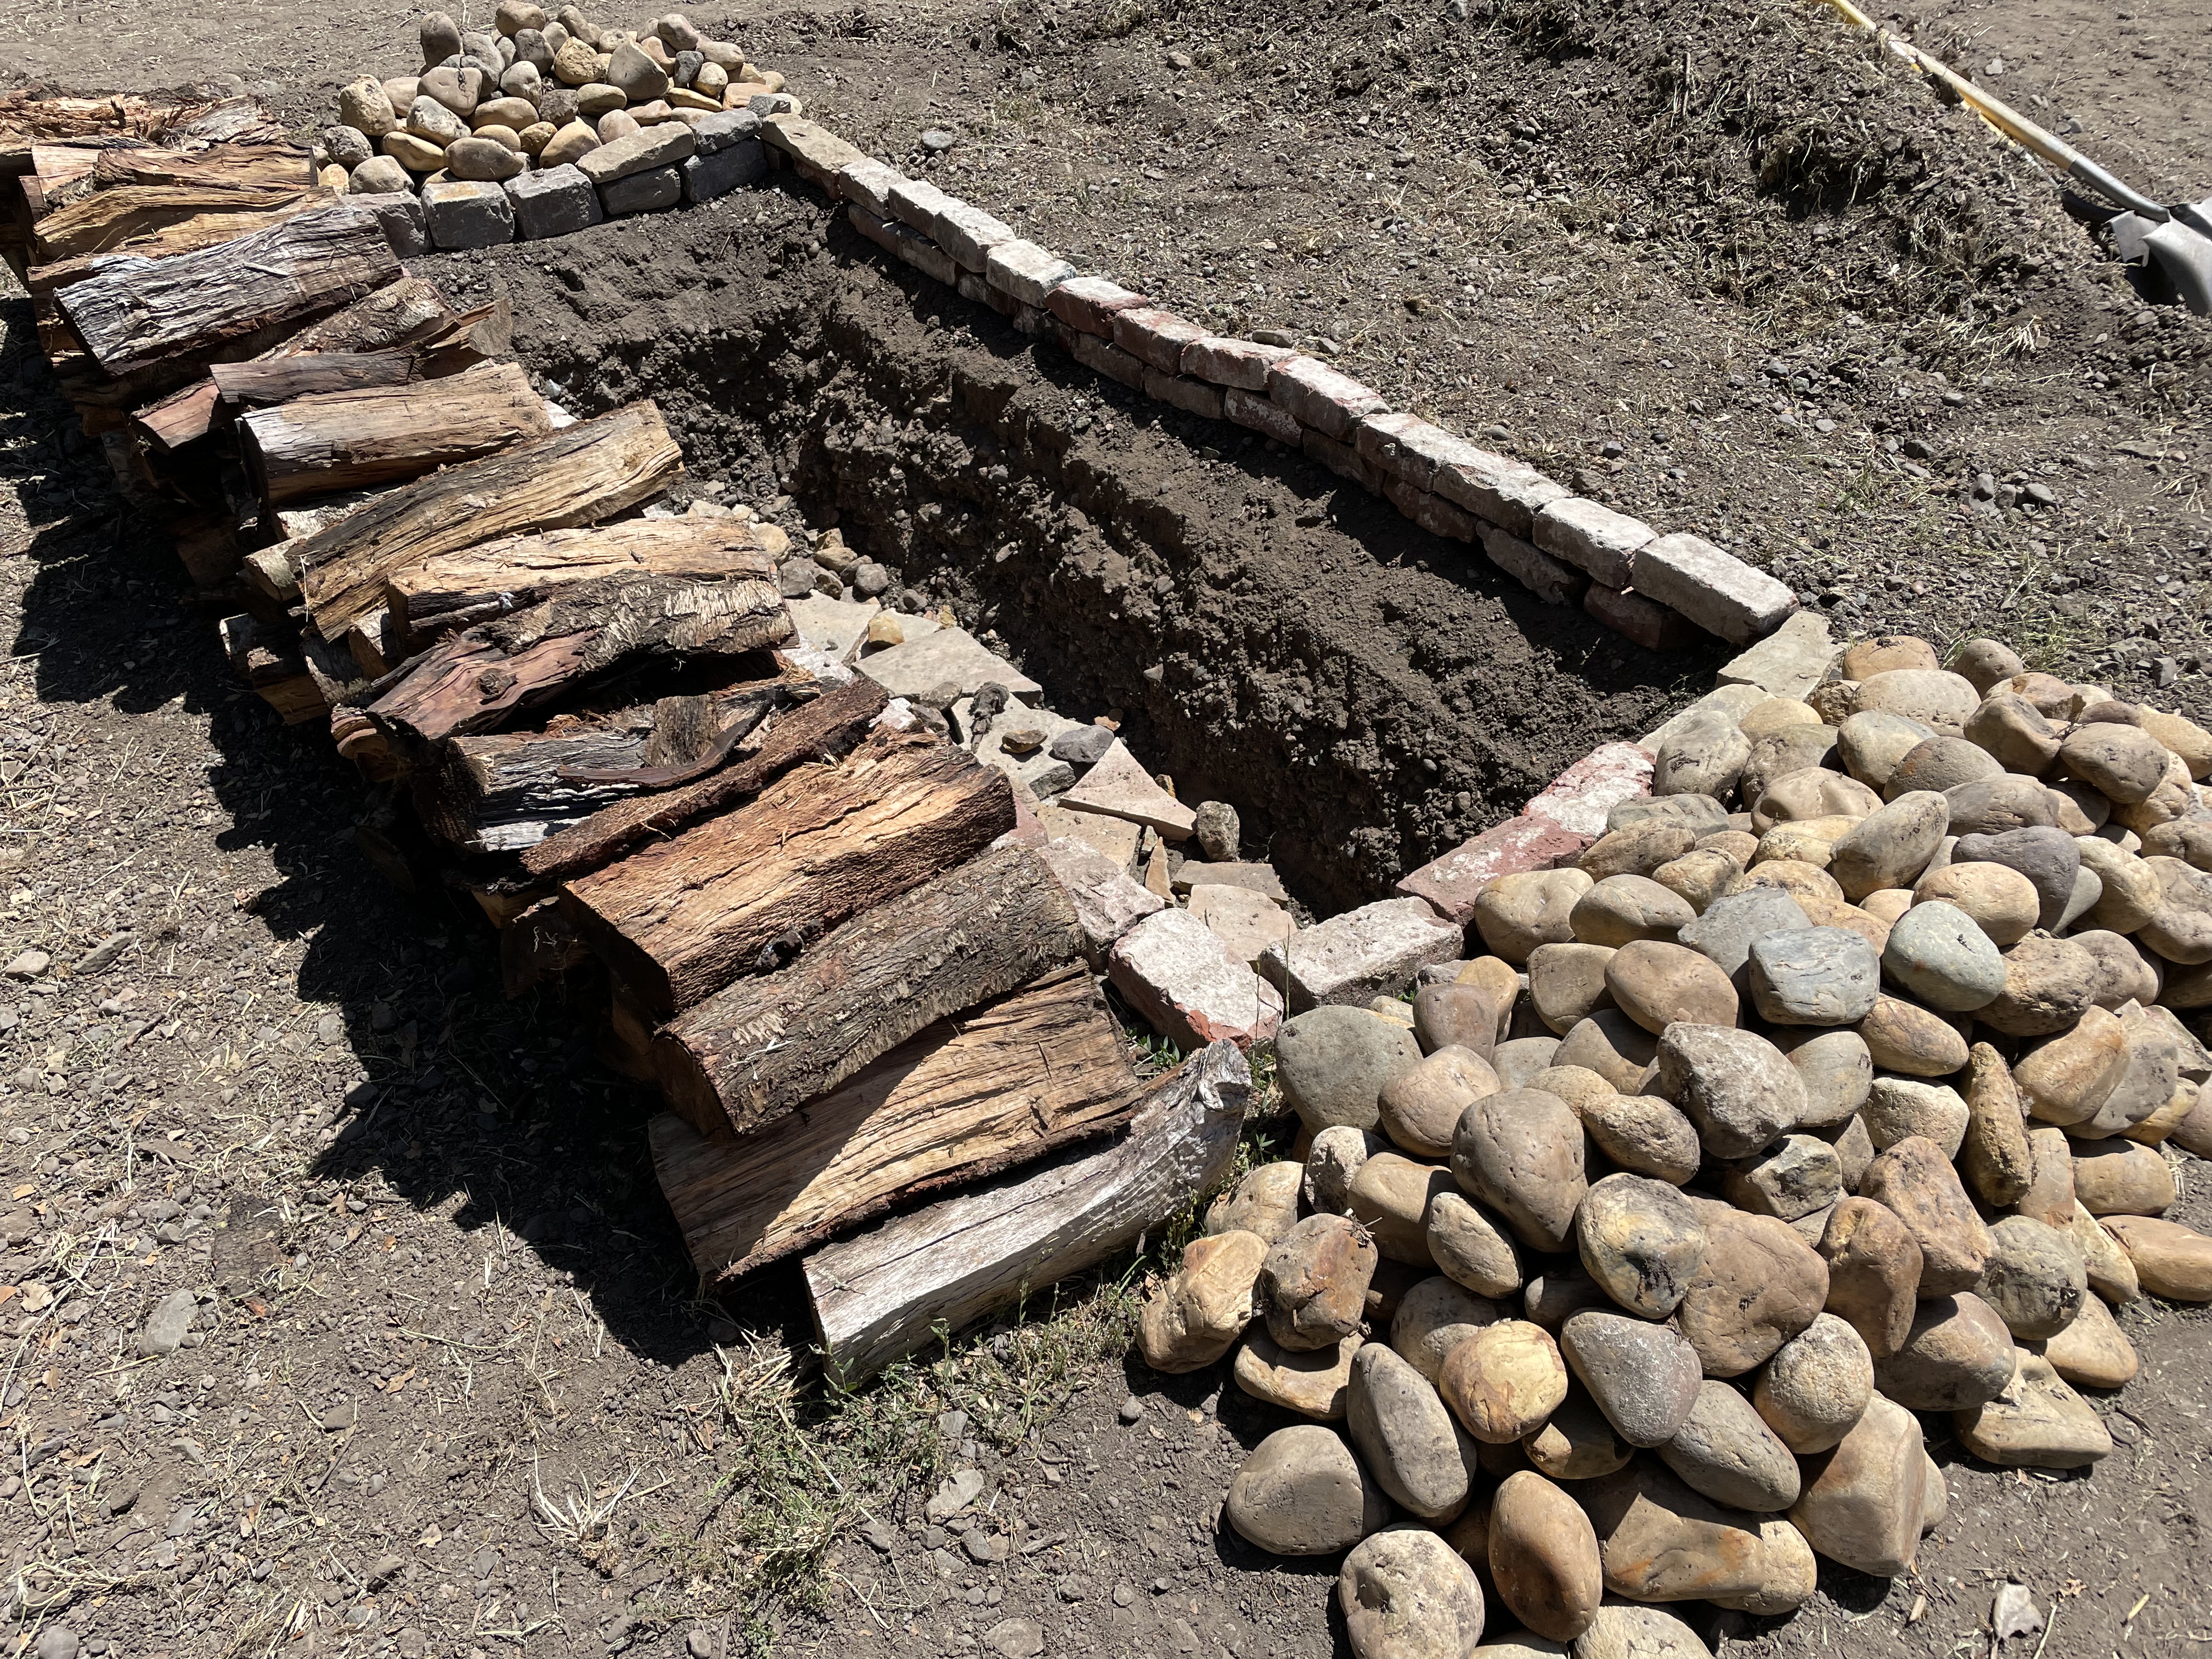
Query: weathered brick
914,202
1322,399
1261,413
1431,512
1651,625
1340,459
868,182
553,202
1496,490
642,192
1155,335
1582,797
1451,883
876,228
463,213
1184,392
1714,589
1226,362
1089,303
978,288
1177,973
916,249
1408,447
1103,355
1789,662
821,153
1374,951
1026,272
1592,538
708,176
969,233
1539,572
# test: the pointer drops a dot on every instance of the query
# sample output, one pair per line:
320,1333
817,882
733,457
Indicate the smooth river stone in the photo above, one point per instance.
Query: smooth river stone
1899,1107
1657,984
1643,1377
1759,1285
1520,1152
1737,1088
1893,846
1725,929
1936,952
1544,1557
2037,1422
1816,1386
1405,1434
1958,1354
1915,1182
1874,1272
1303,1492
1814,977
1863,1503
1726,1450
1641,1240
1407,1593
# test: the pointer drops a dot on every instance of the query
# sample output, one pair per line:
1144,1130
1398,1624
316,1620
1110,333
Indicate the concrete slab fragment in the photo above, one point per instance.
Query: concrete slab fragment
1789,662
1119,787
1375,951
1259,878
951,654
1175,972
1108,903
1117,839
1246,922
832,625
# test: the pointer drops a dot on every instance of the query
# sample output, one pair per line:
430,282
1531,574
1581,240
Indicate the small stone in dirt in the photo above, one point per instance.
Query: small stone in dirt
56,1642
1015,1638
29,964
1084,746
2015,1613
880,1537
700,1645
964,1486
1218,829
166,1326
1133,1410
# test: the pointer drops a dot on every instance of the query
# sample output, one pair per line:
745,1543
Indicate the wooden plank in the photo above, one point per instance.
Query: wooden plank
578,476
821,730
738,893
761,1046
458,588
330,441
192,302
478,680
1006,1084
886,1292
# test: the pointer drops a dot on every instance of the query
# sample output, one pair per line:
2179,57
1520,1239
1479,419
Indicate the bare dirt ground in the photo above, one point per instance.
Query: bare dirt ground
447,1389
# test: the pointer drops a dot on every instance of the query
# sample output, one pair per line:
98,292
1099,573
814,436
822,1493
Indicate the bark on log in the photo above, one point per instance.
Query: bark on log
457,589
269,381
234,166
736,895
507,791
820,731
581,474
1006,1084
149,218
336,440
269,660
28,119
886,1293
476,681
762,1048
194,302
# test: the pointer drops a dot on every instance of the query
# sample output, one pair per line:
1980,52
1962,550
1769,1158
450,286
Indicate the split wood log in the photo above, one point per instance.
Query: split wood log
738,893
374,641
763,1047
191,235
477,680
335,440
506,790
538,945
446,345
1005,1085
137,218
188,304
28,119
577,476
268,658
821,730
886,1293
234,166
457,589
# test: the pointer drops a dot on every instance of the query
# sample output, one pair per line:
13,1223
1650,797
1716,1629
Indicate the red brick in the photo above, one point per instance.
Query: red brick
1451,882
1155,335
1089,303
1262,415
1646,622
1184,392
1240,363
1580,798
1330,402
1103,355
1432,512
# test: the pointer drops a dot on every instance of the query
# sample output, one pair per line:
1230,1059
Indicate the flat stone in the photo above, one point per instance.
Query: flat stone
950,655
1623,1630
1259,878
1662,1542
1247,922
2169,1260
709,175
1191,1319
167,1326
1731,702
1374,951
1315,1384
837,626
2036,1422
1592,538
1473,1248
1789,662
666,144
1176,972
1116,838
2093,1352
1714,589
642,192
1452,882
1108,903
1119,787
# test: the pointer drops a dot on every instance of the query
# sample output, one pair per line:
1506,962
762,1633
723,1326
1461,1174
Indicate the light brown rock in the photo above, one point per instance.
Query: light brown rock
1958,1354
2068,1079
1576,1442
1644,1135
1614,1045
1863,1503
1312,1383
1621,909
1836,1069
1903,1036
1792,1179
1405,1436
1658,1540
2036,1280
1515,913
1657,984
1433,1318
1544,1557
2037,1422
1313,1284
1520,1152
1303,1492
1873,1272
1390,1197
1898,1108
1915,1182
2050,984
2169,1260
1816,1386
1419,1109
1998,899
1265,1202
1635,849
1193,1318
1471,1247
2122,1178
1406,1593
1504,1381
1758,1286
1994,1154
1931,695
1641,1241
1566,982
2093,1352
1461,1015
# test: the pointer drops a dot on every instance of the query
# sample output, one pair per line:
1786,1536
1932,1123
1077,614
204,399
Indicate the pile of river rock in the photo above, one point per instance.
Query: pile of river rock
1839,1081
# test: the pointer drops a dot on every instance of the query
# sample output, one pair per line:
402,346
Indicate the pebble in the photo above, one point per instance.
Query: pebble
1939,953
1657,984
1759,1285
1566,982
1544,1557
1643,1377
1420,1107
1614,1045
1816,1386
1913,1179
1406,1434
1733,1085
2036,1421
1863,1503
1332,1062
1644,1134
1472,1248
1836,1070
1406,1593
2036,1279
1957,1354
1520,1152
2121,1177
1814,977
1504,1381
1623,909
1433,1318
166,1327
1192,1319
1015,1638
1798,1176
1641,1240
1576,1442
1899,1107
1725,1449
1303,1492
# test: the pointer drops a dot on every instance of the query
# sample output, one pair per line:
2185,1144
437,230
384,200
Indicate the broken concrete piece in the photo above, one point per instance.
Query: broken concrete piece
1108,903
1248,923
835,626
1789,662
1115,838
1375,951
951,654
1176,971
1119,787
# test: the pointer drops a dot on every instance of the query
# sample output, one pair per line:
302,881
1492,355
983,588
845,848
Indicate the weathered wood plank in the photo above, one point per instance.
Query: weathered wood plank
577,476
193,302
737,894
820,731
1005,1083
884,1293
763,1047
329,441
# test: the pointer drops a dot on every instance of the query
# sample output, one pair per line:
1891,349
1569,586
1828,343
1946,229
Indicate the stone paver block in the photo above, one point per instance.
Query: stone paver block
1373,952
1323,399
642,192
1038,770
399,214
1089,303
1261,413
1108,903
1451,883
1259,878
706,177
1410,448
1199,396
1629,614
975,286
553,202
819,154
1431,512
910,245
1591,537
969,233
1540,573
724,128
1025,270
868,182
1176,971
1714,589
951,654
1789,662
1340,459
665,144
468,213
1734,701
1581,798
1246,922
1496,489
1109,359
1116,839
836,626
1155,335
1118,786
1229,363
914,203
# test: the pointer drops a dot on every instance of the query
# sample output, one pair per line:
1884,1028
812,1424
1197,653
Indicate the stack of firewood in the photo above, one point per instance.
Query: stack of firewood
808,915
